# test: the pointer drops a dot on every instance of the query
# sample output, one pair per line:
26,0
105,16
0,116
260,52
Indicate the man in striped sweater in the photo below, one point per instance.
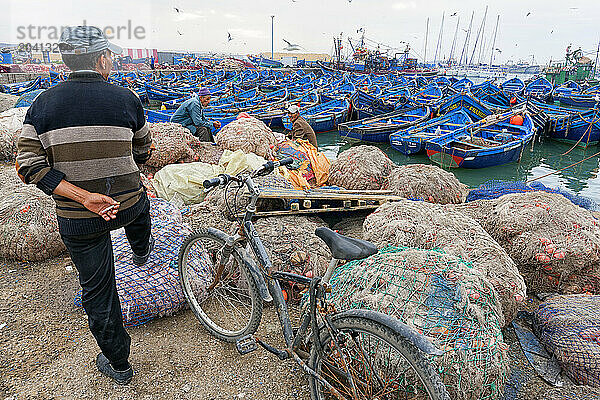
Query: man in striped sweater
80,143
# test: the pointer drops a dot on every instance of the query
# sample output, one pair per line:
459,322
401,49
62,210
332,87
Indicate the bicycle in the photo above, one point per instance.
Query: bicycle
354,354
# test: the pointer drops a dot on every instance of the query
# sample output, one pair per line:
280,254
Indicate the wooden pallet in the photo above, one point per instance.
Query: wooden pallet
325,200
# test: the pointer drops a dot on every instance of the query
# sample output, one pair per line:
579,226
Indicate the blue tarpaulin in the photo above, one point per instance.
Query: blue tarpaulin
6,58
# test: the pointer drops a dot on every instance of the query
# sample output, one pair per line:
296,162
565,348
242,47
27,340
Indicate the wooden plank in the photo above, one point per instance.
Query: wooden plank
291,194
311,211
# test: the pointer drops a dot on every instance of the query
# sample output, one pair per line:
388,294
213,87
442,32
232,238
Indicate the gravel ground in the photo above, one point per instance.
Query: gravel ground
47,351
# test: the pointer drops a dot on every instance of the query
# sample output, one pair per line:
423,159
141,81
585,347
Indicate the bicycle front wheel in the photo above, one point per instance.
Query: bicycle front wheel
219,289
369,360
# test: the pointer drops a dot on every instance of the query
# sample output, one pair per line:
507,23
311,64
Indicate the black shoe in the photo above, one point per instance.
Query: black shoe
121,377
141,260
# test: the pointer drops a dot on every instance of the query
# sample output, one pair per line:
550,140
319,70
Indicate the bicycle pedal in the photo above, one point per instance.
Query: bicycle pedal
246,345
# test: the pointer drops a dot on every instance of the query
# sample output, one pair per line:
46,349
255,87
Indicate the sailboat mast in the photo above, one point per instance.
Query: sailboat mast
454,41
426,35
439,41
478,34
494,43
466,45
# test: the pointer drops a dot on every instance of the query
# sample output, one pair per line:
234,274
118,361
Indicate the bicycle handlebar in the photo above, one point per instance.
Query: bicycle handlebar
267,168
222,179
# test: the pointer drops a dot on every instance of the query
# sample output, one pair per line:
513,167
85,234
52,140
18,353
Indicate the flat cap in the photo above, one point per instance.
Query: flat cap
85,39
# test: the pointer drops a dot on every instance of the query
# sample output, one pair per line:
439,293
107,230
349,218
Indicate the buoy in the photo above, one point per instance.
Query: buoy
285,295
545,241
543,258
516,120
513,100
559,255
550,248
519,298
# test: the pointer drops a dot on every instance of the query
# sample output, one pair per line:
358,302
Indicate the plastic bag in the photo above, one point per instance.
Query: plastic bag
182,183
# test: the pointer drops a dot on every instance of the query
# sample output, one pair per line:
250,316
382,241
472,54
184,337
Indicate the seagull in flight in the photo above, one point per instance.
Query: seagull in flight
291,46
453,14
528,14
179,32
229,38
177,9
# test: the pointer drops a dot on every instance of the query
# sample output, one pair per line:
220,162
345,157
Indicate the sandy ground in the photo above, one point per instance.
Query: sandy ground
47,352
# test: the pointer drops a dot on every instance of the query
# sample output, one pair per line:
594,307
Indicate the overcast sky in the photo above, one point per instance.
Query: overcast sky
202,25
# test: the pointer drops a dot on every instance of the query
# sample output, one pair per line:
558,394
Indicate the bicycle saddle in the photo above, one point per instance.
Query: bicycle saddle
345,248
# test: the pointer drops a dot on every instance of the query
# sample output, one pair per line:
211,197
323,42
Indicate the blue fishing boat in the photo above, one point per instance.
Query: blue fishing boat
574,126
539,88
323,117
491,94
463,84
466,102
513,86
272,115
412,140
489,142
369,105
429,95
378,129
570,94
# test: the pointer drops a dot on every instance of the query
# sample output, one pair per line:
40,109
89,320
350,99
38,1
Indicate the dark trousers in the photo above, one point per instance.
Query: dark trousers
93,258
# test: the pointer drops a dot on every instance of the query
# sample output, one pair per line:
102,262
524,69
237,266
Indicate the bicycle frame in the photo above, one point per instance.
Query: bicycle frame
316,291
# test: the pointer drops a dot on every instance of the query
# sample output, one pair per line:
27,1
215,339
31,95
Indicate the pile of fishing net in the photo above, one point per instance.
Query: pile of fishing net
292,244
427,226
494,189
569,328
555,243
445,299
427,182
233,199
11,123
7,101
175,144
206,215
28,226
361,168
351,226
152,290
249,135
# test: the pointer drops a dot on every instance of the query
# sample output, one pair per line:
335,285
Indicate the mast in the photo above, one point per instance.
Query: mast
272,17
425,50
454,41
596,62
466,45
439,41
494,42
479,33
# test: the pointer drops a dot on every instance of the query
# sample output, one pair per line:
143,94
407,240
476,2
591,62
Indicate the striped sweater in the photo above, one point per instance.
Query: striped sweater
90,133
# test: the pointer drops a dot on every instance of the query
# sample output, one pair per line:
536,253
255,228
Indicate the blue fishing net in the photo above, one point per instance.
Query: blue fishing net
442,297
569,328
494,189
152,290
26,99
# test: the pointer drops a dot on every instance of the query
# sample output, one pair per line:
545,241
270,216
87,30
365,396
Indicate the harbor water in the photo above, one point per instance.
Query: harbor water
543,157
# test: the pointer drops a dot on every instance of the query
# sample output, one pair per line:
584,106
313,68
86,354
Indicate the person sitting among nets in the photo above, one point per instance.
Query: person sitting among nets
300,128
191,115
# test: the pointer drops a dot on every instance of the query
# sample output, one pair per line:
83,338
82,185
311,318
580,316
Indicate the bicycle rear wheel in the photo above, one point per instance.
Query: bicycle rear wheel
383,364
224,298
